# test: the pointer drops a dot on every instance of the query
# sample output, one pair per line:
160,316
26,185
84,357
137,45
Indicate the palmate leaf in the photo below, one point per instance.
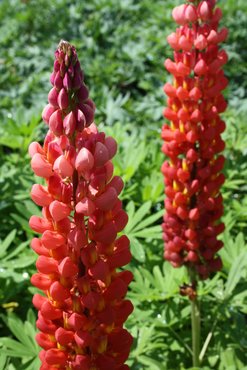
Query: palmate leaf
156,285
141,226
24,345
235,273
151,363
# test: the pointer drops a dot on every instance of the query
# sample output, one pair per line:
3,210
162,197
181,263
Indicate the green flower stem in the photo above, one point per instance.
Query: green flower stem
196,331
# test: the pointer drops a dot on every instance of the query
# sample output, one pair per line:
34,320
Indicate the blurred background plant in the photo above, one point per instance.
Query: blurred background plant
122,46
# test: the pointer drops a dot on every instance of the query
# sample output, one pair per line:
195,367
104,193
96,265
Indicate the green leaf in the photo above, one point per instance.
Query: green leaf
6,243
235,273
138,216
137,249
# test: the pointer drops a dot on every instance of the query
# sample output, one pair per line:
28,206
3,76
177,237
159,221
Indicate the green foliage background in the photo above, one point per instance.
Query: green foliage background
122,46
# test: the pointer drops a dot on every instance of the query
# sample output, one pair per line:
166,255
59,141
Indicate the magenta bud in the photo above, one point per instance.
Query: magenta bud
80,120
58,81
111,145
69,123
67,81
56,65
71,71
62,69
82,93
63,99
77,81
67,60
52,77
88,113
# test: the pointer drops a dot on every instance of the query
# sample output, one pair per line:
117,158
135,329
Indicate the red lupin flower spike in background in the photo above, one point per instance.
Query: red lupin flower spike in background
82,311
193,144
192,140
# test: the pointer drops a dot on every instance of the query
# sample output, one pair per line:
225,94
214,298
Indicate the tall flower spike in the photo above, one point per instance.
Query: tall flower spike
192,140
82,309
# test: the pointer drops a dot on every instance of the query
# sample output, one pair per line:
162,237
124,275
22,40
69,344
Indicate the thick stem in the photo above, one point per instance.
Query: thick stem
196,331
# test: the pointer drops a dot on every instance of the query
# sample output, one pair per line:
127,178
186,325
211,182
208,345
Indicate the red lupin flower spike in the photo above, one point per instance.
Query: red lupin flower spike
192,140
82,309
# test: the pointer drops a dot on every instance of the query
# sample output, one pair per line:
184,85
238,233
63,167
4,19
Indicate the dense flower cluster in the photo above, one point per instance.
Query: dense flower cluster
82,310
193,140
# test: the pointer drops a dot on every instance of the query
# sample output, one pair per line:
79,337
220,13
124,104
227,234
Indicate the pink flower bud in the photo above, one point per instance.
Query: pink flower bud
83,93
67,82
63,167
69,123
111,146
63,99
190,13
204,11
212,37
56,123
182,69
101,154
47,112
117,183
58,81
178,14
172,39
88,113
84,160
81,122
184,43
77,80
201,68
107,200
200,42
52,97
